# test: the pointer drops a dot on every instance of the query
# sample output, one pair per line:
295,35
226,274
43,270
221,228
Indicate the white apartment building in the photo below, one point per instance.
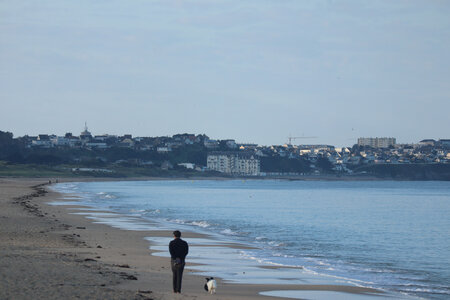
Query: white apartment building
383,142
234,163
221,162
66,141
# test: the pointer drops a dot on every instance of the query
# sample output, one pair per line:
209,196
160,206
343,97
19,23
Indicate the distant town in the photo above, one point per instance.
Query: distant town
84,153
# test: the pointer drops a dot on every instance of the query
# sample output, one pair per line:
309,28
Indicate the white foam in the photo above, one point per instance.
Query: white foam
278,254
276,244
427,290
228,232
178,221
202,224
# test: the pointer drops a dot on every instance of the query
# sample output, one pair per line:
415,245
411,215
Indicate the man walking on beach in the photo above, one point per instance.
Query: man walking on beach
178,251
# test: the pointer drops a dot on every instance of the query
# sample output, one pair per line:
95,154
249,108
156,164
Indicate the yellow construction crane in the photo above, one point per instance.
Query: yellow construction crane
290,138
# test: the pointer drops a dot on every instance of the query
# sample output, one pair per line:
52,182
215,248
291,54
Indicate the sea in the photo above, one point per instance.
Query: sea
389,235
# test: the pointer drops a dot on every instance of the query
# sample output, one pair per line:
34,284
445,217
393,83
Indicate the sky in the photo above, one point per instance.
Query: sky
255,71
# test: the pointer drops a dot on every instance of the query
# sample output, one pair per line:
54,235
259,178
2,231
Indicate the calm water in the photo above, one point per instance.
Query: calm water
390,235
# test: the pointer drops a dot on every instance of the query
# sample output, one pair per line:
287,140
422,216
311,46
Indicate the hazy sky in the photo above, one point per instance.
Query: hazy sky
257,71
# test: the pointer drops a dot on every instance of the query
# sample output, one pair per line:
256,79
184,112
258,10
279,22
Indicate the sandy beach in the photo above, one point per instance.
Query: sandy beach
49,253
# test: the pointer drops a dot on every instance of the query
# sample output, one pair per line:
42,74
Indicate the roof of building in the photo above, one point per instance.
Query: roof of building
85,132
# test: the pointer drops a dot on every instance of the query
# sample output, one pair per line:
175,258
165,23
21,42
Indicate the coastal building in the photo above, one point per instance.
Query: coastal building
163,149
383,142
234,163
444,142
94,143
316,148
85,135
126,143
247,164
427,142
248,146
186,138
43,141
219,161
187,165
211,144
231,144
66,141
102,137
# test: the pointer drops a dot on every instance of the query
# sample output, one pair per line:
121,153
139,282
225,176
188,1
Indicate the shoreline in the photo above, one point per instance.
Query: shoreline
126,254
323,177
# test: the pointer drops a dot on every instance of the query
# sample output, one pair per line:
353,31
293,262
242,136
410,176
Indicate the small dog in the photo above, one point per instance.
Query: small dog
211,285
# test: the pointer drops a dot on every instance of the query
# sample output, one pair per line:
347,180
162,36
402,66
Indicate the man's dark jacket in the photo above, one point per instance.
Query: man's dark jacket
178,248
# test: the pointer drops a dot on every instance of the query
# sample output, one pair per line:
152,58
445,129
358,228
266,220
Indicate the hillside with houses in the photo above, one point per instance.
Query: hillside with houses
200,155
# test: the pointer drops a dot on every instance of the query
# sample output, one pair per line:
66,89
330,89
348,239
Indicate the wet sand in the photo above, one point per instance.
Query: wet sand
48,252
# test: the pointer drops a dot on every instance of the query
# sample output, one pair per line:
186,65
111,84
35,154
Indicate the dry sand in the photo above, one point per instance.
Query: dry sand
47,253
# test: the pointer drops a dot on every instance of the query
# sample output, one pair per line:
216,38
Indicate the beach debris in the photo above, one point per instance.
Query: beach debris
81,227
89,259
123,266
99,246
127,276
25,200
142,297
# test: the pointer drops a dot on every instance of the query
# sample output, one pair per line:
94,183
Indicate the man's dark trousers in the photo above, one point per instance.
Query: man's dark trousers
177,270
